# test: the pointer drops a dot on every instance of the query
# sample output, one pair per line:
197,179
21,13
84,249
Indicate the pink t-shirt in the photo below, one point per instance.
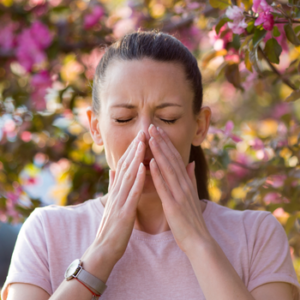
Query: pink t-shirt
153,266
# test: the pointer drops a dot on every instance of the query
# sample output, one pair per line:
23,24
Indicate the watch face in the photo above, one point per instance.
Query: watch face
72,269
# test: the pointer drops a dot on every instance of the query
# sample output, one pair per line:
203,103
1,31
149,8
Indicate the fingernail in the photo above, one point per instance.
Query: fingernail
141,167
152,140
140,146
140,134
151,126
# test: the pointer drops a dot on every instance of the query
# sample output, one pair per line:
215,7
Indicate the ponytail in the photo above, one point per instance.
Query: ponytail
201,171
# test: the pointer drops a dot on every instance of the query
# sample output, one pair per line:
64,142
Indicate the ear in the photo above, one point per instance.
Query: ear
203,121
94,126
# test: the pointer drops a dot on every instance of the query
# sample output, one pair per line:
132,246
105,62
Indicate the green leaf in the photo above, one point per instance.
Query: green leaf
236,42
221,4
250,26
258,36
276,31
295,95
221,23
290,223
291,35
254,57
229,146
232,74
273,50
212,55
246,40
297,29
247,61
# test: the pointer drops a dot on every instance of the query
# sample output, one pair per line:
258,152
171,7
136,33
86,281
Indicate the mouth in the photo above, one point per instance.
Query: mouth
146,163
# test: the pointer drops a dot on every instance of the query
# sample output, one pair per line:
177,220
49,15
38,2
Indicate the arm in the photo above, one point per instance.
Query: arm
176,186
220,280
112,237
68,290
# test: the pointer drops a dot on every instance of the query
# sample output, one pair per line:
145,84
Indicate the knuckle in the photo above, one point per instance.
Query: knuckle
170,170
173,157
125,165
128,176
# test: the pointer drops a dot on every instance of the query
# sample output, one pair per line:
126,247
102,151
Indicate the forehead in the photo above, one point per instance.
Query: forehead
145,81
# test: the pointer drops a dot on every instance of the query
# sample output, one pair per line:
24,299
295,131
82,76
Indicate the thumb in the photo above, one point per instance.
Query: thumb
111,179
191,172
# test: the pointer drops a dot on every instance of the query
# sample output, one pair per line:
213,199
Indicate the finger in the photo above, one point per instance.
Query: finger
170,147
111,179
136,190
130,175
161,187
167,170
173,157
191,172
127,157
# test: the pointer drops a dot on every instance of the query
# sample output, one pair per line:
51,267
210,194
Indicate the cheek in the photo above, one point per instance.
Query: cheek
182,142
115,145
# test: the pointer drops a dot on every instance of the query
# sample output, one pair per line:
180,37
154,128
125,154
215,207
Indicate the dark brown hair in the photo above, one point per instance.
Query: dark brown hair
166,48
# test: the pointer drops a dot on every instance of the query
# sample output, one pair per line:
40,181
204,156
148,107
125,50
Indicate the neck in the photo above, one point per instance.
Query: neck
150,216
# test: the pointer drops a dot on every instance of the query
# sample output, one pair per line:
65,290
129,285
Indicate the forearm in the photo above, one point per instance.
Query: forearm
216,276
99,266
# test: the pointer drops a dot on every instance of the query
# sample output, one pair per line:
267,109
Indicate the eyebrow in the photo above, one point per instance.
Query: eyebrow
130,106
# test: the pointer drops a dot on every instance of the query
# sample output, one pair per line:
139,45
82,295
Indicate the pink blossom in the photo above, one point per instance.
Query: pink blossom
227,131
93,18
266,19
26,136
236,14
39,83
238,169
274,197
277,180
7,36
261,6
190,37
90,61
264,14
257,144
31,43
282,39
220,41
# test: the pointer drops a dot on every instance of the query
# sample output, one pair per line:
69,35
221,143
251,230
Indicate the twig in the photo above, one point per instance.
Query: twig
285,80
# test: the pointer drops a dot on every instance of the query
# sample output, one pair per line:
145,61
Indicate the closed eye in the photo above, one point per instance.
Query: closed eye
166,121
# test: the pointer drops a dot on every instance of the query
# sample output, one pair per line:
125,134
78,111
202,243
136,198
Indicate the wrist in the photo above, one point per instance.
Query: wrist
201,246
98,262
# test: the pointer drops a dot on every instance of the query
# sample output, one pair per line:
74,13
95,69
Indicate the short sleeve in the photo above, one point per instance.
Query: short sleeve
29,263
270,259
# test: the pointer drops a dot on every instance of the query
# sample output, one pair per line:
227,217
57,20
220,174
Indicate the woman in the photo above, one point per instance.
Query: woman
156,239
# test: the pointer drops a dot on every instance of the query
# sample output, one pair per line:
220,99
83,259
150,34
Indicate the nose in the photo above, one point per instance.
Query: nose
144,126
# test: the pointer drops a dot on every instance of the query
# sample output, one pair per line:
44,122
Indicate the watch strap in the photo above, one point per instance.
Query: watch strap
91,281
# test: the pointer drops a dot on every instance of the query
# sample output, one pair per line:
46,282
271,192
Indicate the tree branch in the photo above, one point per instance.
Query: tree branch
283,79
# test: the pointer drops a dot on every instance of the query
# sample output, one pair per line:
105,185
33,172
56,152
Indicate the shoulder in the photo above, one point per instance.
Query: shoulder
247,224
53,216
230,217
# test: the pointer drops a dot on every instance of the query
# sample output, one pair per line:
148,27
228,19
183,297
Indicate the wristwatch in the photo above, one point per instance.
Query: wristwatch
75,270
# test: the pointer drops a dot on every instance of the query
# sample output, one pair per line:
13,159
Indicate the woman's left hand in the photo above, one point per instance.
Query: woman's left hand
177,189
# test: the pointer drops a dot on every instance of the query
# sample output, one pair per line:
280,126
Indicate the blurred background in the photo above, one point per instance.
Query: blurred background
248,53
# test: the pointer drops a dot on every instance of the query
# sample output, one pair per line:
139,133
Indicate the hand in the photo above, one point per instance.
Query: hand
177,189
125,188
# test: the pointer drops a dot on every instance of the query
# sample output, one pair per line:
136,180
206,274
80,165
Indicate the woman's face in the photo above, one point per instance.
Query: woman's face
138,93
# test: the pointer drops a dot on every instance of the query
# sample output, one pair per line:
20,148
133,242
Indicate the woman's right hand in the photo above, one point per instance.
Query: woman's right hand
125,189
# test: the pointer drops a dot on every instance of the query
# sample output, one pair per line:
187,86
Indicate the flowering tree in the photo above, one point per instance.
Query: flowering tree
249,56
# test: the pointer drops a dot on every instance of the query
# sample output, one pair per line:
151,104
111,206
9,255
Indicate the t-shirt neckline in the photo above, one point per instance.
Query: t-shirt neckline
163,236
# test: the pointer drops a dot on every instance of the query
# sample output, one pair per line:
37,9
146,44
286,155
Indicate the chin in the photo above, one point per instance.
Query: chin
149,187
